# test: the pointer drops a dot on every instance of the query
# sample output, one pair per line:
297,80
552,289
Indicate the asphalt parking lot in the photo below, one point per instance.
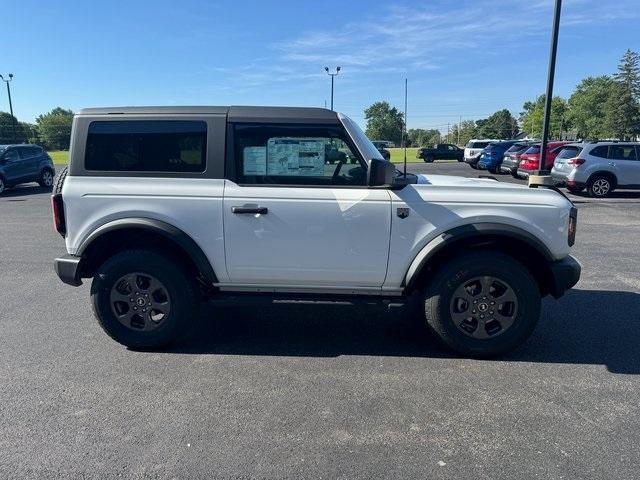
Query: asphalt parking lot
319,391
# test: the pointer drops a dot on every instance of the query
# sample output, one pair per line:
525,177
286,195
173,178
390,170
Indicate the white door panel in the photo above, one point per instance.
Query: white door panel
309,236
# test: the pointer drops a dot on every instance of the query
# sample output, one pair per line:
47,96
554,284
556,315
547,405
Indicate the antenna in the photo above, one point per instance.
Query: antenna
404,136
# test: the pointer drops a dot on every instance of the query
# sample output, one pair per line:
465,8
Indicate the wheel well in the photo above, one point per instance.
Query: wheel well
604,173
532,258
114,241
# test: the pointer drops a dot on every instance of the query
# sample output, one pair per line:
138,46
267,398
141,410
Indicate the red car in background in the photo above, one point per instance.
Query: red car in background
530,159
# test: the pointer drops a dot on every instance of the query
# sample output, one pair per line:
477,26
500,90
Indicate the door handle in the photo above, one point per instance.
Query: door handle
250,210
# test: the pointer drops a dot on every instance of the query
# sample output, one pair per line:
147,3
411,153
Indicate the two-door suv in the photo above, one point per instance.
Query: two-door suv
166,206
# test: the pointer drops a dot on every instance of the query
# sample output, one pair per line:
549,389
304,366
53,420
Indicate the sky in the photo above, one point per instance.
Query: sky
463,59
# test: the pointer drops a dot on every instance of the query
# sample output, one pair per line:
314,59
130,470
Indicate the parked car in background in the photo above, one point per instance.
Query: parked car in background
442,151
382,146
491,157
600,167
511,158
473,150
530,159
24,164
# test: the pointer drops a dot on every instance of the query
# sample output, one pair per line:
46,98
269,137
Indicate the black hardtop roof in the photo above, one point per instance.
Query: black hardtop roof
234,113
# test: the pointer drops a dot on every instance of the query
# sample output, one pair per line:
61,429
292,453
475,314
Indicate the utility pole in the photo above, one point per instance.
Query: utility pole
13,119
332,75
542,169
459,125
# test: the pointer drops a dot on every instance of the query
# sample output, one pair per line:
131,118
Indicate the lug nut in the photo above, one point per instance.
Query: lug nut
481,316
135,308
493,303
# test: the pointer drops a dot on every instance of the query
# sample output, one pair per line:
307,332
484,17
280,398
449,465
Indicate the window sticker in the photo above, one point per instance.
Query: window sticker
254,160
295,156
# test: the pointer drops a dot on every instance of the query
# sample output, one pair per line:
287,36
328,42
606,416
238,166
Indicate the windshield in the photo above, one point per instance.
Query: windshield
367,149
2,149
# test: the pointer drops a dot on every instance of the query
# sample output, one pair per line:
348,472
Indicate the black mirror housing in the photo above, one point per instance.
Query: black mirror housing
381,173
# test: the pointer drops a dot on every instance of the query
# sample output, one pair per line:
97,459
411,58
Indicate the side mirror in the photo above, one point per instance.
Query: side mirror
381,173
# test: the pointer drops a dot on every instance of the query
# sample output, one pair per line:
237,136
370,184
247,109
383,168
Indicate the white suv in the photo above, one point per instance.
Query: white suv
163,207
600,167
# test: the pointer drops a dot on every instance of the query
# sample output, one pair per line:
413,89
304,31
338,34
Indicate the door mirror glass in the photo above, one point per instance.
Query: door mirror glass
381,173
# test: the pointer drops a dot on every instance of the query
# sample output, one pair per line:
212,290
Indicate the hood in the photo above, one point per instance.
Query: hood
483,190
453,181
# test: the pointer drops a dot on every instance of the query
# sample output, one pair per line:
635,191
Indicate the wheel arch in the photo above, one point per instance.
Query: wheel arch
126,233
514,241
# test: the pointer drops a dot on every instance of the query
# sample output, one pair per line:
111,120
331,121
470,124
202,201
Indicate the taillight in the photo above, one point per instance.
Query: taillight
57,205
573,226
575,161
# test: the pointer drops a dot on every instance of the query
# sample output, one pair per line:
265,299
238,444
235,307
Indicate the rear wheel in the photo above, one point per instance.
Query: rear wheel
514,174
600,186
429,159
482,304
2,185
46,178
142,299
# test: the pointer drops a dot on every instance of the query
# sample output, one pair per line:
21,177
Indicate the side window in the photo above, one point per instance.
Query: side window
11,155
623,152
599,151
296,155
25,152
147,146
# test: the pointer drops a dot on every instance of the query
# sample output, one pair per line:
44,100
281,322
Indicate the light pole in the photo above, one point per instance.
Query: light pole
326,69
13,119
542,169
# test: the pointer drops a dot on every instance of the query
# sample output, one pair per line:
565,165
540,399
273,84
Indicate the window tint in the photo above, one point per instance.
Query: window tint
623,152
11,155
517,148
532,150
599,151
296,155
29,152
569,152
147,146
477,144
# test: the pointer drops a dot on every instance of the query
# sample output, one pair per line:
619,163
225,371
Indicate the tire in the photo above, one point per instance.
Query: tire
442,302
3,186
474,166
429,159
600,186
575,190
493,170
175,298
460,160
59,180
514,174
46,179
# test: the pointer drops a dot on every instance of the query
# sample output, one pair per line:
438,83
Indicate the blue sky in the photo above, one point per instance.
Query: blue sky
465,58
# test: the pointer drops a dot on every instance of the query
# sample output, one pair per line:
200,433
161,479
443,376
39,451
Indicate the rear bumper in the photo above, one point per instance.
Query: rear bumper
68,269
565,274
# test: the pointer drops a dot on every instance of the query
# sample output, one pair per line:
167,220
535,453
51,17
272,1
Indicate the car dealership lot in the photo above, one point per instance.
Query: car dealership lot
319,391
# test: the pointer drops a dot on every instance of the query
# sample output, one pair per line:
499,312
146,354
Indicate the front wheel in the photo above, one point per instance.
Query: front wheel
482,304
429,159
142,299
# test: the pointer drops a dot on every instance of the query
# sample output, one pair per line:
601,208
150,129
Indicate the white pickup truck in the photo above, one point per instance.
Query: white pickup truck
166,206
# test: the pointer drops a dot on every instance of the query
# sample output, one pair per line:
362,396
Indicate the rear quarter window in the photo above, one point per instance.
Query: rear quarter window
532,150
146,146
569,152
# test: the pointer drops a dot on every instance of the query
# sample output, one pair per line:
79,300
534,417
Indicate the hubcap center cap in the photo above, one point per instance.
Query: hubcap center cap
483,307
140,301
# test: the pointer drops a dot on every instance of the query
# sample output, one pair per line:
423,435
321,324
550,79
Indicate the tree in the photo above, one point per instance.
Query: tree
622,108
54,128
384,122
468,130
6,129
586,107
533,115
421,137
500,124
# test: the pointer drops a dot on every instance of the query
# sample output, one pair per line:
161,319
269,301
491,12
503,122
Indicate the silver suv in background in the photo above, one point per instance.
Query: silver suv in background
600,167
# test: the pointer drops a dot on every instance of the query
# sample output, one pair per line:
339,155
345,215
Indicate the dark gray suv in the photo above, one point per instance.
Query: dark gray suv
24,164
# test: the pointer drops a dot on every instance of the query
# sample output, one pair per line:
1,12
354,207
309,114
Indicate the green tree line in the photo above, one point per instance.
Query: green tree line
52,130
601,107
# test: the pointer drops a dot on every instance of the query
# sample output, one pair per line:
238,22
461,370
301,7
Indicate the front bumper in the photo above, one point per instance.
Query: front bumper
565,274
68,269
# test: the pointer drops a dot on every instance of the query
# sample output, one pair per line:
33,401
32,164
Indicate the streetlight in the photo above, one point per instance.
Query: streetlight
13,119
332,75
542,169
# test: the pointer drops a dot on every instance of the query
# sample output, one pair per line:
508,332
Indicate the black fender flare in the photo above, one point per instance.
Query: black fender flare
167,230
479,230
